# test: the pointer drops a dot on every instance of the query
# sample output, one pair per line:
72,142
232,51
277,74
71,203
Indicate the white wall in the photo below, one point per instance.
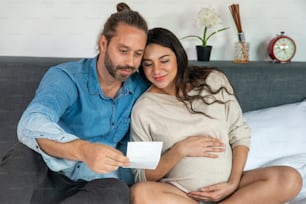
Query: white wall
69,28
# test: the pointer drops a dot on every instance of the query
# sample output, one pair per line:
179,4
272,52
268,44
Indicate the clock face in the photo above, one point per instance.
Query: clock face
283,49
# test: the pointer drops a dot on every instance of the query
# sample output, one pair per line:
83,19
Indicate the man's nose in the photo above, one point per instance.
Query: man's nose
129,60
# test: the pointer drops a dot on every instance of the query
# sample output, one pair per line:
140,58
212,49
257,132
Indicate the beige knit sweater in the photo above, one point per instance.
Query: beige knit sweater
161,117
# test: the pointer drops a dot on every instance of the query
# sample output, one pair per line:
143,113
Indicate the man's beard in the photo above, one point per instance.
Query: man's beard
112,69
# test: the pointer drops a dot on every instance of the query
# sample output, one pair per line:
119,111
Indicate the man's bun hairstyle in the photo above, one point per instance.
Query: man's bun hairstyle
124,15
122,6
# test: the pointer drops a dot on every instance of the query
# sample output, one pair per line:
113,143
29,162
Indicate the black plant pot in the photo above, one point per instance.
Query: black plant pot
203,53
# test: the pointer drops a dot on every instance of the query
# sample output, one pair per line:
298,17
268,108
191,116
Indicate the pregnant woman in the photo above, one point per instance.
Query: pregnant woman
194,111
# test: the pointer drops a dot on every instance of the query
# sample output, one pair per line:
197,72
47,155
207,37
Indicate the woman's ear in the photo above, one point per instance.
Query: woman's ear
102,43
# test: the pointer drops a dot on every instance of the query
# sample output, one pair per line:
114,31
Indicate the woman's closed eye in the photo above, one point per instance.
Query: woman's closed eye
149,63
146,64
164,61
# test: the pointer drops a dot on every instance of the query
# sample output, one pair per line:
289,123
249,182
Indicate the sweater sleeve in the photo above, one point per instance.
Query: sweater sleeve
139,132
238,129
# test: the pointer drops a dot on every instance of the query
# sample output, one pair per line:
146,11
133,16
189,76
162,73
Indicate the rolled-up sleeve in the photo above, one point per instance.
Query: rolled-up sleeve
40,119
37,125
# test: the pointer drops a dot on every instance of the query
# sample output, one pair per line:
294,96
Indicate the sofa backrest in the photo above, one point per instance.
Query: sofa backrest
257,85
264,84
19,78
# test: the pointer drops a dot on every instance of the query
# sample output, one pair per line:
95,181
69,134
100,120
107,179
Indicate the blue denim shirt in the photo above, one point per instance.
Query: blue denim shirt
69,104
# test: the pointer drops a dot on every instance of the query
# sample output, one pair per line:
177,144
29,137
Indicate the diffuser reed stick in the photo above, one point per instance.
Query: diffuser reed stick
244,56
234,8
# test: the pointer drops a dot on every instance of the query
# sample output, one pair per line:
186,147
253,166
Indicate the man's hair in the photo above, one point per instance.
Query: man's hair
123,15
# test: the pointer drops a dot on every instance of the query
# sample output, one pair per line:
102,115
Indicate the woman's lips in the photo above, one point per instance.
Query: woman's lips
159,78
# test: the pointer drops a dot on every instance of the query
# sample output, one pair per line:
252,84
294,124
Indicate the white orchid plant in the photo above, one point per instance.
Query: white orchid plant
208,18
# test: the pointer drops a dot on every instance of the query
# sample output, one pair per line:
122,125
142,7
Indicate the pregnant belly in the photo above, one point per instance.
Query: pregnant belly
193,173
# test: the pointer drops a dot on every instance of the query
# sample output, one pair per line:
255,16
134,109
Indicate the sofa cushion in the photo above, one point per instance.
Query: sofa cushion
276,132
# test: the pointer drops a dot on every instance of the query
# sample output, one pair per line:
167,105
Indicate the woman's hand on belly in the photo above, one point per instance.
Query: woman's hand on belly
200,146
213,193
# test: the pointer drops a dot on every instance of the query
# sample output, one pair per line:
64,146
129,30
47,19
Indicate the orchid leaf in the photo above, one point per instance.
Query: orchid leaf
217,31
193,36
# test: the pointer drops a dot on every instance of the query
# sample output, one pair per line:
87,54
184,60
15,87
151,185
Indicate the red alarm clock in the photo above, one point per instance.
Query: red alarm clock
282,48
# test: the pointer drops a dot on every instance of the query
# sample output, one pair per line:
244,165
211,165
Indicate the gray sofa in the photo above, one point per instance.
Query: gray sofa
257,84
19,77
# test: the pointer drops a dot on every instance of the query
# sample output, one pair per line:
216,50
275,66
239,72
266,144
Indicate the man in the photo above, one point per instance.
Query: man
80,115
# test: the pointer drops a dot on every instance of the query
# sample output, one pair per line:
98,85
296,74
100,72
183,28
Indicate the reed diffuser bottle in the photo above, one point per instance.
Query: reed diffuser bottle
241,50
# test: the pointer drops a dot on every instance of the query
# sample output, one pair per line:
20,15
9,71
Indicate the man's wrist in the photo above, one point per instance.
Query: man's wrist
79,149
